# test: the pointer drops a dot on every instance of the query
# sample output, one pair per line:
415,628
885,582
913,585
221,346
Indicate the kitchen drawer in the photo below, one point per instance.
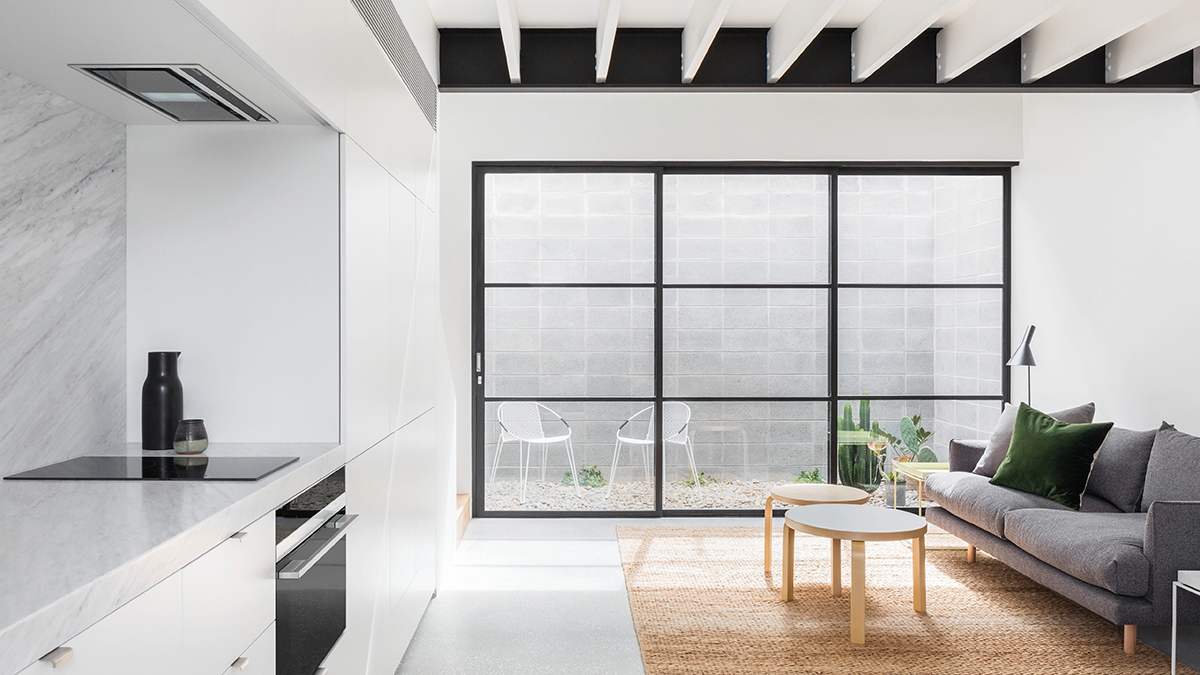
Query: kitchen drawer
259,659
143,637
229,598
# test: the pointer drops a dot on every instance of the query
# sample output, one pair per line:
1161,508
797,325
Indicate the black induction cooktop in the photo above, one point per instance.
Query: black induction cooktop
162,467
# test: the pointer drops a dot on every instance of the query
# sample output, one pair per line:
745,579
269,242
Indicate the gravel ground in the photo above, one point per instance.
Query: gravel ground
638,496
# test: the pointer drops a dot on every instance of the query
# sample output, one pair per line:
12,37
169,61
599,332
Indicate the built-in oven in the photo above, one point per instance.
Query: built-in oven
310,572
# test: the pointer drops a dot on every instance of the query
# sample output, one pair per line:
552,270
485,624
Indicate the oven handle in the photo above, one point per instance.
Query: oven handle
296,569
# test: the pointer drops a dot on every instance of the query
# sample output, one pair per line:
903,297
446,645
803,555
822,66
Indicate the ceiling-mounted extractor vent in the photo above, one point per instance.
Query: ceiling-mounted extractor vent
183,93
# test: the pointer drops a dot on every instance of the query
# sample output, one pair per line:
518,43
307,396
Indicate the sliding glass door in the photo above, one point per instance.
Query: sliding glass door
736,310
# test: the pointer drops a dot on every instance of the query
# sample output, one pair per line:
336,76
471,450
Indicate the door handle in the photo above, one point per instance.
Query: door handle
240,663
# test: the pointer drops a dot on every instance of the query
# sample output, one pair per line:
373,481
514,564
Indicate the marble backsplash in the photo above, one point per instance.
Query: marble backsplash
62,278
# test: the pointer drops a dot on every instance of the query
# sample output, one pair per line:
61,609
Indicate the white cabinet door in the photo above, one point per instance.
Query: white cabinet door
367,294
141,638
228,598
259,659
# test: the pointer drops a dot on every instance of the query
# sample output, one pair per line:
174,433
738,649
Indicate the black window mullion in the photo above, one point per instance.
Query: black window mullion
659,462
832,377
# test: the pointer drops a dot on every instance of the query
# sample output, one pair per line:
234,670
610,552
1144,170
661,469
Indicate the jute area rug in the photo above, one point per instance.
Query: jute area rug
702,604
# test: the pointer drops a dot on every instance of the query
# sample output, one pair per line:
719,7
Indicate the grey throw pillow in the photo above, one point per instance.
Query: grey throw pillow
997,447
1174,469
1119,470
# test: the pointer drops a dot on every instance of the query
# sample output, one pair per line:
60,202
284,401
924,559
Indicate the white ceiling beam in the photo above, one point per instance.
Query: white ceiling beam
510,32
606,34
890,28
1165,37
797,25
984,28
1082,27
702,25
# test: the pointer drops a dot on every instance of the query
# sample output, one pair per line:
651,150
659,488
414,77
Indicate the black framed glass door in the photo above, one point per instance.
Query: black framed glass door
737,309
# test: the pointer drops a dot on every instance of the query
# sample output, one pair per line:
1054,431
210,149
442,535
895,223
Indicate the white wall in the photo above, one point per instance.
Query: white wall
664,126
233,259
1104,255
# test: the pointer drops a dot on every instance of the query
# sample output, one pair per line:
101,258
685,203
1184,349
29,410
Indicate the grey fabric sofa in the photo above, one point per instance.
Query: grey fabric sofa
1116,560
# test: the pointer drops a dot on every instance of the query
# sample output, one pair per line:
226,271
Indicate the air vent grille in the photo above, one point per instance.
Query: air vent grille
383,20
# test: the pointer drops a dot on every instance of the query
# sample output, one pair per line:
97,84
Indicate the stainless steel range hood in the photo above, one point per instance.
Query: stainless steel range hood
184,93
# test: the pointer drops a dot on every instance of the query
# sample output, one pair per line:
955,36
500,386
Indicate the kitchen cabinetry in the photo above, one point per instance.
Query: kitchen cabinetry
198,621
229,598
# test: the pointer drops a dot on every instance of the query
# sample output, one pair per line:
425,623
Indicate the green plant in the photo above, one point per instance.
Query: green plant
705,479
913,436
813,476
892,477
860,448
589,476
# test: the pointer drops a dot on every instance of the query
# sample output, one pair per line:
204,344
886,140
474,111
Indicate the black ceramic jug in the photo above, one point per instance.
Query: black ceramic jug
162,401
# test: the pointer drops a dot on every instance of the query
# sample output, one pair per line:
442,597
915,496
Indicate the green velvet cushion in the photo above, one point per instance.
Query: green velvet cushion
1050,458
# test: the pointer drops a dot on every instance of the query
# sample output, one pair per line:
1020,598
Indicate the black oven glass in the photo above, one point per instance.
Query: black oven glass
310,612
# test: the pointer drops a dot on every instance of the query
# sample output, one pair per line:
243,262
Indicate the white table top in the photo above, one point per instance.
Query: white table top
855,522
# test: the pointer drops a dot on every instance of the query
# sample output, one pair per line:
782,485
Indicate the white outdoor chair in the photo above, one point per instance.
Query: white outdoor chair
676,416
521,421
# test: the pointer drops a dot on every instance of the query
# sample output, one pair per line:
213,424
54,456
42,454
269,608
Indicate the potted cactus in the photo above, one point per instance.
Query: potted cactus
895,490
861,448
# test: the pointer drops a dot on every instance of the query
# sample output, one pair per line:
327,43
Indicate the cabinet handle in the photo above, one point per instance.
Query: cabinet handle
238,536
321,671
240,663
58,657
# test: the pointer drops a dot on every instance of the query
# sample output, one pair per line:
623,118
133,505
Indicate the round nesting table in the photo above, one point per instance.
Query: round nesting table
806,494
859,524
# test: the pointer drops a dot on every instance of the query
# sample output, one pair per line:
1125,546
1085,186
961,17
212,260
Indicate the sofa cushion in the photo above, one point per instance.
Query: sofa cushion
1173,472
1094,504
1119,471
1050,458
972,498
1102,549
997,445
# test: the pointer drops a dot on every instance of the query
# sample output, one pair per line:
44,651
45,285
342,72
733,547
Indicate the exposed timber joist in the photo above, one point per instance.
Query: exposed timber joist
984,28
510,31
702,25
1082,27
606,34
1175,32
888,29
797,25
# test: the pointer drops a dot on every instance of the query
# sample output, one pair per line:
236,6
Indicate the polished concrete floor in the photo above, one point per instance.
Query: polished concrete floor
535,596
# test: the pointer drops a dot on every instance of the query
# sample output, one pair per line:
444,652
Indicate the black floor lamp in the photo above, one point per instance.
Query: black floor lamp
1024,357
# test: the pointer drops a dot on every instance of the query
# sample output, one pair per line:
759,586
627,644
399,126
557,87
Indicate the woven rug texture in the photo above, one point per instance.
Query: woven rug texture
703,605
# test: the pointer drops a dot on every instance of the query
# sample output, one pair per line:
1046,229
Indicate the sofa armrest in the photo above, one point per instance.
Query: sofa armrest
1172,544
964,455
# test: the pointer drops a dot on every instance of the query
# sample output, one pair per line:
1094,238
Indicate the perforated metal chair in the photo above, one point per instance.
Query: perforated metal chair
676,416
521,421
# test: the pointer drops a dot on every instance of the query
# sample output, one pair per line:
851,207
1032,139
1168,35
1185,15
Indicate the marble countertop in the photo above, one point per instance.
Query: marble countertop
72,552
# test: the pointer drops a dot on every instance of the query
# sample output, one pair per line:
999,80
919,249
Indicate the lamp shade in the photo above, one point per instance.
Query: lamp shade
1023,356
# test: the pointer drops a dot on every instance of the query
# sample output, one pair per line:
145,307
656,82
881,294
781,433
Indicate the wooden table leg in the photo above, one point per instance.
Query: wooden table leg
918,548
920,498
767,535
789,549
858,592
835,561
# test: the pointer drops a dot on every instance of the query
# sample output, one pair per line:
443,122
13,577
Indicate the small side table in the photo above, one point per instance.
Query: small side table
917,472
1190,582
806,494
859,524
